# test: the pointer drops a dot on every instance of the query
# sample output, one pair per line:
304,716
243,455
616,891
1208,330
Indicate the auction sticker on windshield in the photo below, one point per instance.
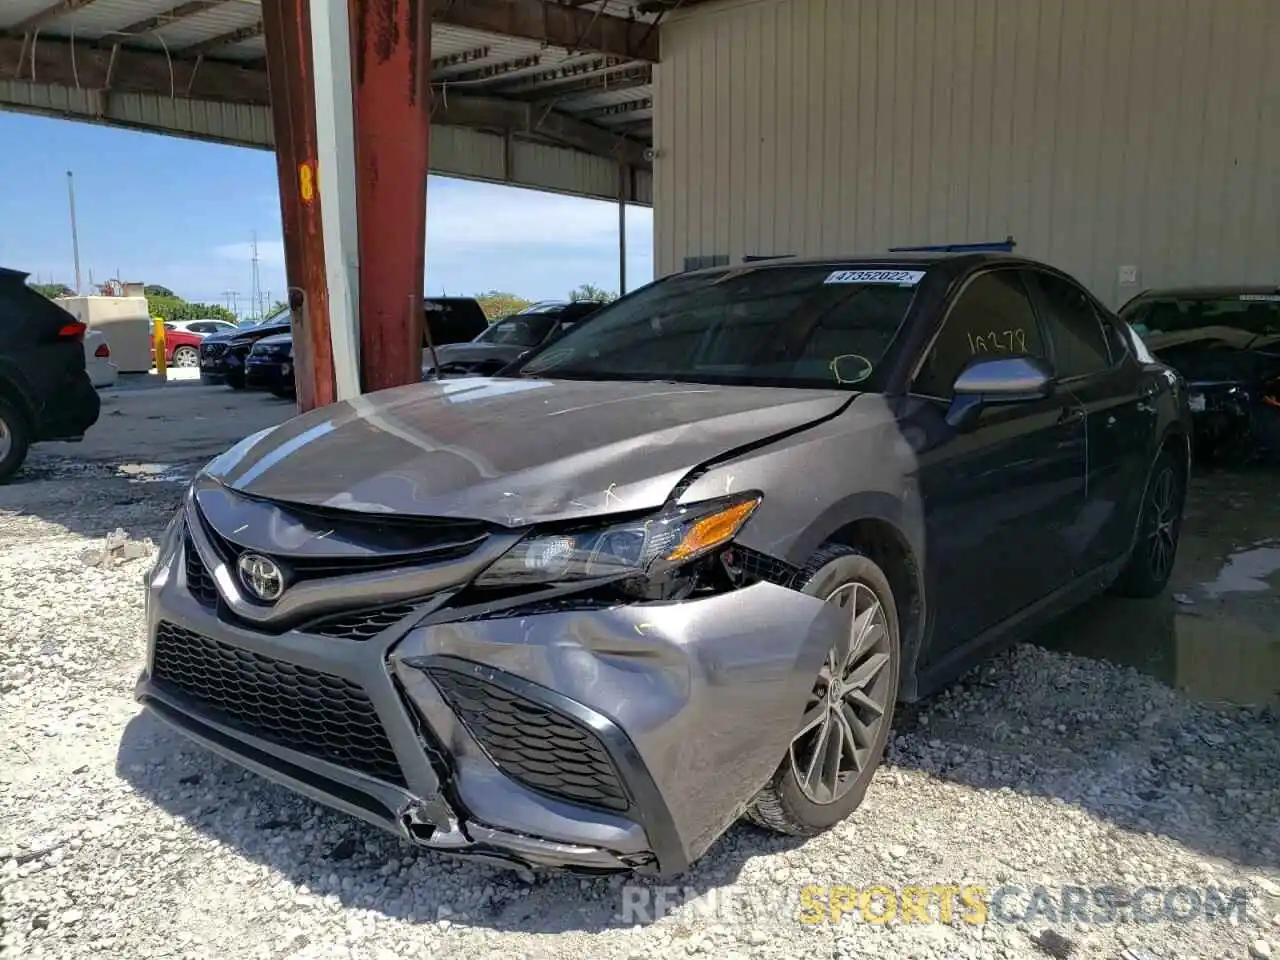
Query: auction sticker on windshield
905,278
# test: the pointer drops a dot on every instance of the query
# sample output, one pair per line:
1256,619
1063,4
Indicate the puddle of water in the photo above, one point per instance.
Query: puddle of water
1205,653
1246,572
153,473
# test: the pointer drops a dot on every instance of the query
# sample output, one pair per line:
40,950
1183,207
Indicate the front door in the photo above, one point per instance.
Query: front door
997,496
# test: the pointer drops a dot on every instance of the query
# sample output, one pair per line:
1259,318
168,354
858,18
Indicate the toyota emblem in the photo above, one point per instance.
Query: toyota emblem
261,577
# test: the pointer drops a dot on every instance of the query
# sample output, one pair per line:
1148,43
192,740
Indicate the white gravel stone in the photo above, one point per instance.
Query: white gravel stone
120,839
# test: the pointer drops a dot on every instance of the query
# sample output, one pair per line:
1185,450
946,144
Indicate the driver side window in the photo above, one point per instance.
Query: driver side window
991,316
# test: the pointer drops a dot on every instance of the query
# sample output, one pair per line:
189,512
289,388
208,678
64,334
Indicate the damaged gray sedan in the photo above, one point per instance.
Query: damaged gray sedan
672,569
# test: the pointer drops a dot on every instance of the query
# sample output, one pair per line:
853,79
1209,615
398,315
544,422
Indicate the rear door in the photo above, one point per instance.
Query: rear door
1120,422
996,497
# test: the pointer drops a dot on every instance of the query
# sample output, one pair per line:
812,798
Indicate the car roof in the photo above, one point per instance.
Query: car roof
1209,292
908,259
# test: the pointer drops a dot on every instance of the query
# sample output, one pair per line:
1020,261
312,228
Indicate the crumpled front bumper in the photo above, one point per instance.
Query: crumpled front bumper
616,738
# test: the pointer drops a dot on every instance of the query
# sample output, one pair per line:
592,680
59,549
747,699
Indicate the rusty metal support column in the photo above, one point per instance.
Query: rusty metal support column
287,27
391,48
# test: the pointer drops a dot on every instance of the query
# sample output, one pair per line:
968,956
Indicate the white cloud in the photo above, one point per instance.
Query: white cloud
482,236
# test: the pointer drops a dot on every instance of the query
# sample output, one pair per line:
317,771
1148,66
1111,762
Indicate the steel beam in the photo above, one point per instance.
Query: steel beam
129,70
519,117
288,33
391,48
574,28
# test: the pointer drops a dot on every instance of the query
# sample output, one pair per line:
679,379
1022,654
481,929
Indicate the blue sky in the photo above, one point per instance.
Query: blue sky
181,213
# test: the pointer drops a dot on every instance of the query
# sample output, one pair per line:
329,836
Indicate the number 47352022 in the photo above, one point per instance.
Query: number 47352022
998,341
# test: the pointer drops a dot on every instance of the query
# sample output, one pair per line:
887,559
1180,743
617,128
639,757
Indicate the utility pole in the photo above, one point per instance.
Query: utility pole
75,237
231,298
256,292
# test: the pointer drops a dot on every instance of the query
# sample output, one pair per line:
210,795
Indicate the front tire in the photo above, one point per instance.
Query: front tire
843,733
15,440
185,356
1159,525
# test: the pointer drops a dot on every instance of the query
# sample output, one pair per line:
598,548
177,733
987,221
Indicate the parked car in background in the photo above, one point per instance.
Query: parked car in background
453,319
222,355
45,391
269,360
269,365
678,564
181,345
102,370
1226,342
205,326
507,339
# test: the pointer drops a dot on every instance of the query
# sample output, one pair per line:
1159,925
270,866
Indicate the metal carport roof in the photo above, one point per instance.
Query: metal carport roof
552,95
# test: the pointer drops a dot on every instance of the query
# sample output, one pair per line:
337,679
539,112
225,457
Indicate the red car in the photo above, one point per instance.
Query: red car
181,347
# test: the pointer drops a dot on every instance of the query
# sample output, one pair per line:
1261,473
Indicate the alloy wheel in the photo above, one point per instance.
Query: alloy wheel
847,708
6,441
185,357
1162,534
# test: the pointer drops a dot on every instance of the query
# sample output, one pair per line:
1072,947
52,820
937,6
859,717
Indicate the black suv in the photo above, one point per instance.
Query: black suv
45,393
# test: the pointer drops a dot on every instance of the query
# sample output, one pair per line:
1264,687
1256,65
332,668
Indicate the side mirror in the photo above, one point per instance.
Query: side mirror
997,381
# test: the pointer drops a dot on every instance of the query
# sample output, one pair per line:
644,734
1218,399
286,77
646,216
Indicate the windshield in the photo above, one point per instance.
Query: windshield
521,330
803,326
1247,318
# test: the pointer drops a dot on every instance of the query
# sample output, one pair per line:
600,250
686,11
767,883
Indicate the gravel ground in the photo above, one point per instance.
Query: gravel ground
1039,769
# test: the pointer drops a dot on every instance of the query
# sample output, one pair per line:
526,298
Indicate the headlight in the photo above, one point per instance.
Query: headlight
637,548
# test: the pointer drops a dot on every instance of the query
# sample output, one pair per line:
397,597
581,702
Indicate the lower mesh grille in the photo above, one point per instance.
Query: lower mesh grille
315,713
533,744
199,581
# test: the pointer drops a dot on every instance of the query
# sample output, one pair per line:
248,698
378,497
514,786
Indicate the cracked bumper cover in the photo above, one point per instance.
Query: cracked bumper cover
691,703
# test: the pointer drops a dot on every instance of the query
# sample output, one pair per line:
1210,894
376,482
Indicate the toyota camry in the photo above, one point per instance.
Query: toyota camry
673,569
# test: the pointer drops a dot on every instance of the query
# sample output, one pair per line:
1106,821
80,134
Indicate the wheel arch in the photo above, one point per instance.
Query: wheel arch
886,543
11,391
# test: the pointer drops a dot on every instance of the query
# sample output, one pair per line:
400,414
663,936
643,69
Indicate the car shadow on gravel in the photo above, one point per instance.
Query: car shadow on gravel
329,858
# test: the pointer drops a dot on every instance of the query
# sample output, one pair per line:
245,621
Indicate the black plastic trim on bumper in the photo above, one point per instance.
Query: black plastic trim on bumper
381,805
650,810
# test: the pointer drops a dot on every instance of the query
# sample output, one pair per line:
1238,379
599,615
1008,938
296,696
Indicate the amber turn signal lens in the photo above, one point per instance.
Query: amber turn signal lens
714,530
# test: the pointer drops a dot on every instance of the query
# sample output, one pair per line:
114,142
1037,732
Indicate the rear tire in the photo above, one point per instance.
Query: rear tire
1159,525
822,780
15,440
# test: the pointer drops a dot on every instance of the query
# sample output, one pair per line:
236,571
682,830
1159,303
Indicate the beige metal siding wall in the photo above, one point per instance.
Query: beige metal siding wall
1099,133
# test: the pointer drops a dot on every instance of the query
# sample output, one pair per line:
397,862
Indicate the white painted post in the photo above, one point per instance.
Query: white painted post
336,176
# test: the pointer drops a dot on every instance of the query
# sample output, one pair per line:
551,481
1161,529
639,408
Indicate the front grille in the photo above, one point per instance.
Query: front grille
315,713
361,625
199,581
213,351
533,744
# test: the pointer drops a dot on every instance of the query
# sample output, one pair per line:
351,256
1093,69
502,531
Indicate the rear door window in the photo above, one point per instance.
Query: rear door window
1075,329
26,316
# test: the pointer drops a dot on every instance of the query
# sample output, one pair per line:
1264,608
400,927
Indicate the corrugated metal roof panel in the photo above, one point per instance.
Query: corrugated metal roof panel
102,16
44,98
15,11
214,22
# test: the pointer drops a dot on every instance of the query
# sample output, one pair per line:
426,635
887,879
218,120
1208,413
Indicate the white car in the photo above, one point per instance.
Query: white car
203,327
101,368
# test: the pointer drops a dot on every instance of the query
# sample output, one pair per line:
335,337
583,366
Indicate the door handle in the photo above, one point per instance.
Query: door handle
1071,415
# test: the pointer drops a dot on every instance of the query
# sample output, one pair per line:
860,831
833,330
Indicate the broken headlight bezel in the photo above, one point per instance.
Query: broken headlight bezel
642,548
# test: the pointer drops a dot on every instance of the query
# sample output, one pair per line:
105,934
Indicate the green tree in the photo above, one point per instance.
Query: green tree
175,308
589,291
155,290
496,304
52,290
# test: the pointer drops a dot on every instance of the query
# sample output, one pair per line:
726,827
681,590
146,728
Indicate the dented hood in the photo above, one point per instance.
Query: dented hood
511,451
